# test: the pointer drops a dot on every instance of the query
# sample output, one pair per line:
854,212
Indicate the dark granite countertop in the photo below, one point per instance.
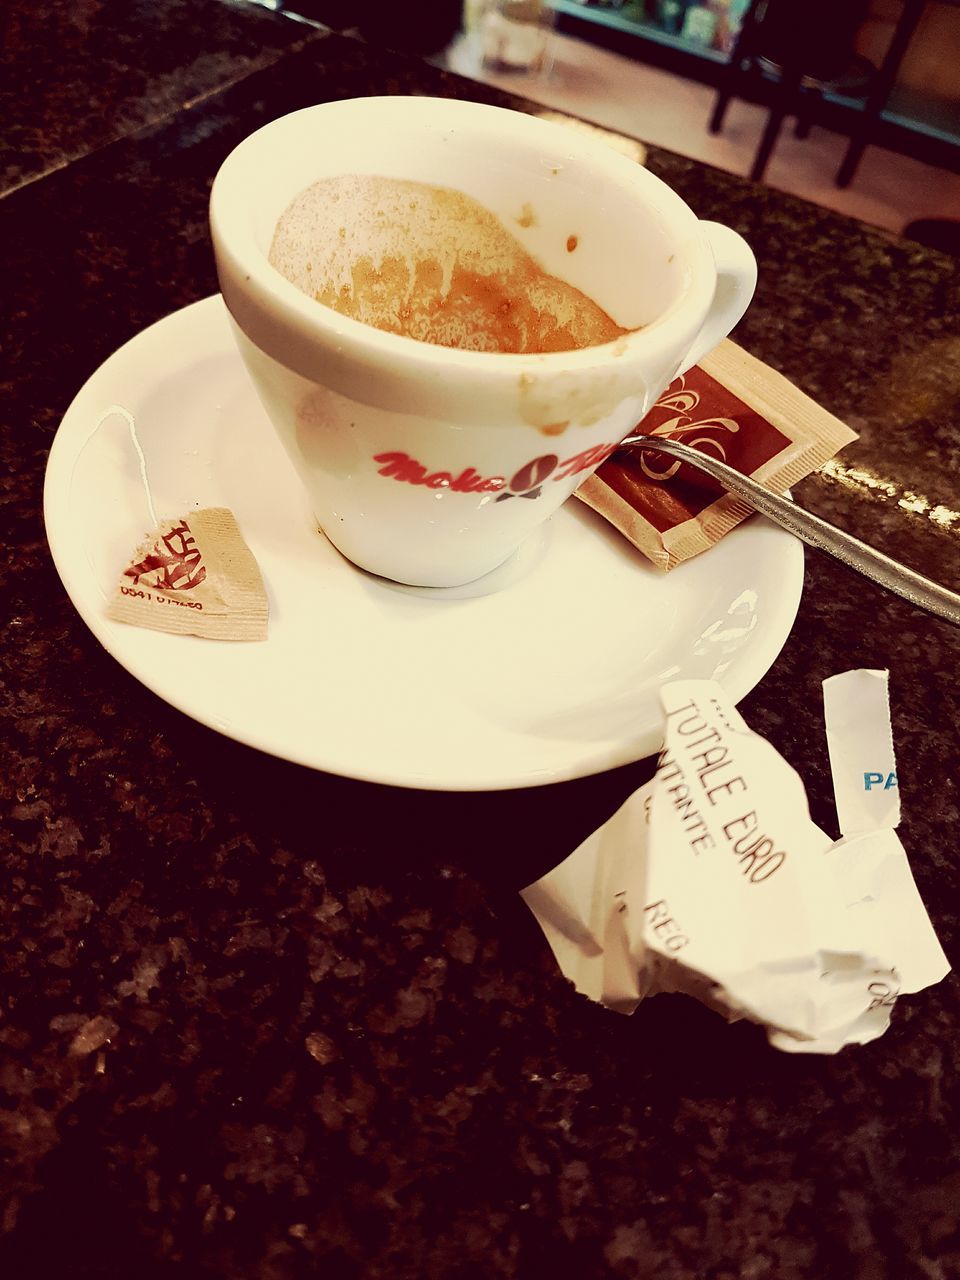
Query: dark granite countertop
79,73
261,1022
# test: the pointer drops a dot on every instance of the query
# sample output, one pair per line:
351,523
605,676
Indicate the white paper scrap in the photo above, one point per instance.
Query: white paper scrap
877,884
856,707
714,881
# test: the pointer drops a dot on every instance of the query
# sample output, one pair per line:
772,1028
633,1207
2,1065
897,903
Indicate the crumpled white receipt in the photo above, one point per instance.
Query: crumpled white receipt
712,880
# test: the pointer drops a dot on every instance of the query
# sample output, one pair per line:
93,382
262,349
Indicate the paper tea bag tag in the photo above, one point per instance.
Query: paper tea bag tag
194,575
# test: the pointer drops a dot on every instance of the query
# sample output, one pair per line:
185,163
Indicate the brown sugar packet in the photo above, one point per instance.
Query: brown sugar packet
195,576
733,407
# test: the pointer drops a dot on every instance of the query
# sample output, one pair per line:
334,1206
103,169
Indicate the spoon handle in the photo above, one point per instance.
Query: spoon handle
889,573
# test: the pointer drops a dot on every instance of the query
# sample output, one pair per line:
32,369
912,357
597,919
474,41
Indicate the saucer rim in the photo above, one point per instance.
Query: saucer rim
69,441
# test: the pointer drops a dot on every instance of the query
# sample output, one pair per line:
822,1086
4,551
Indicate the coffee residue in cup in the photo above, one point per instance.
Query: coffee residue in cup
430,263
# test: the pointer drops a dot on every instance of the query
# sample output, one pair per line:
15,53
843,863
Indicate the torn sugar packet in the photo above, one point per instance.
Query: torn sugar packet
194,575
713,880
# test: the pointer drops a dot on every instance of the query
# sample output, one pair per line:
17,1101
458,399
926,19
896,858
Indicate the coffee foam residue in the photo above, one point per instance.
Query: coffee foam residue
430,263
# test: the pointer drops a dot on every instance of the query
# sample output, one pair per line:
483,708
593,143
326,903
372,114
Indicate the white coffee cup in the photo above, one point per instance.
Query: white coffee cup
430,465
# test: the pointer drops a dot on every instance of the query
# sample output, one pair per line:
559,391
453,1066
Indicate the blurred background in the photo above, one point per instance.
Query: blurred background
852,104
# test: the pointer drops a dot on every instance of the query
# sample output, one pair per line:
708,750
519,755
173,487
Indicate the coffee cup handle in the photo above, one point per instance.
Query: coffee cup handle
736,281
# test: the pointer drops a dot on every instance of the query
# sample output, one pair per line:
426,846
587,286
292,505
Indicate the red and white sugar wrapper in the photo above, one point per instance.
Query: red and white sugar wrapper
713,880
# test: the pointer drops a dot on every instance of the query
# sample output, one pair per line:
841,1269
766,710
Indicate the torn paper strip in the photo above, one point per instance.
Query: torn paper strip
856,708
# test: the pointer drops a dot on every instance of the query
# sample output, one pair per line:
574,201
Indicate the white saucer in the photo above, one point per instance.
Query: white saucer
553,676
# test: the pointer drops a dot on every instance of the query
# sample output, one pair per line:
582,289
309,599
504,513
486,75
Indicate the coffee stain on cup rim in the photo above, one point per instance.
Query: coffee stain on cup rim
584,405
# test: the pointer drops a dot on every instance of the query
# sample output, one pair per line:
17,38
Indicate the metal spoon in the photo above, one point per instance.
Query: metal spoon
896,577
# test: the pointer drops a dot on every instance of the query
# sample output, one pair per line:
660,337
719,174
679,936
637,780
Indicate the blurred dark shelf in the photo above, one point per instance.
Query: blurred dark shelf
935,117
623,31
625,20
912,123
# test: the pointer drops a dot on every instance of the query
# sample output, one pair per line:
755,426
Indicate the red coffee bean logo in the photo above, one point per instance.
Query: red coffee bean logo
533,474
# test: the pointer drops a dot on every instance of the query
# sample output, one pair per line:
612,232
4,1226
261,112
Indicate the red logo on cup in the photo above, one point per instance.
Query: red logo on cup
526,482
400,466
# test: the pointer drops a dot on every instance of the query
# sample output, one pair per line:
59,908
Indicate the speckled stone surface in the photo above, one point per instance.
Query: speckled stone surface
262,1023
75,74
